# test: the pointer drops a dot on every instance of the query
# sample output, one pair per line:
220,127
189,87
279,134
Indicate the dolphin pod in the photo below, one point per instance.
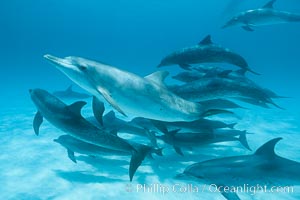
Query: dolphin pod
70,120
157,115
266,15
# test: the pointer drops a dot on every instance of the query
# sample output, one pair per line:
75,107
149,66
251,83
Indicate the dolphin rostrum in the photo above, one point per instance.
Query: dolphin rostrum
264,168
204,52
70,120
128,93
266,15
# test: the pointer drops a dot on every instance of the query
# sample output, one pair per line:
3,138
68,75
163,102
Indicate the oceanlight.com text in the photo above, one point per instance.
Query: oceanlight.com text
213,188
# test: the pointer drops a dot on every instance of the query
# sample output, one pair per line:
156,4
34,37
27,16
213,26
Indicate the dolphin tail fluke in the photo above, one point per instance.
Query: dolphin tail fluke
243,140
37,121
137,158
232,125
253,72
71,155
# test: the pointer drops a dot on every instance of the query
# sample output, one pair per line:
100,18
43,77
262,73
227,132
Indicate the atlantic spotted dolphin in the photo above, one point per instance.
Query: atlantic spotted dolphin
204,52
70,120
266,15
182,140
128,93
218,88
264,168
74,145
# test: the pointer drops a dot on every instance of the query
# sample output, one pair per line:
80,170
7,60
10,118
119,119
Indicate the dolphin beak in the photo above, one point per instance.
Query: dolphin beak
56,61
55,140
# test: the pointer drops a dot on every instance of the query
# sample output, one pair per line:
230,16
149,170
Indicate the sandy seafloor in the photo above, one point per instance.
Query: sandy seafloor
35,167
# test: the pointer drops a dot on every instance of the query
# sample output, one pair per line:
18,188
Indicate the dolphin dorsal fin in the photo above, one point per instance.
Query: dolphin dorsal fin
173,132
76,107
158,77
267,149
110,116
206,41
269,4
69,89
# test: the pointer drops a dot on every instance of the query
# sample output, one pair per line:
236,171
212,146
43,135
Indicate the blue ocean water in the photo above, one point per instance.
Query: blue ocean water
134,36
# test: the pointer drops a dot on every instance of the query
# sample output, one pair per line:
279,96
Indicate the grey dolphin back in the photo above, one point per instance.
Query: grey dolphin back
269,4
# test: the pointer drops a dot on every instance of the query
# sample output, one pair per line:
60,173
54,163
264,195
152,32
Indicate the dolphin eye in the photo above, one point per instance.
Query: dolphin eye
82,68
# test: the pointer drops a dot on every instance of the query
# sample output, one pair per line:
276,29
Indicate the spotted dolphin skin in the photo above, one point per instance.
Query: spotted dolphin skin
69,119
204,52
263,168
266,15
128,93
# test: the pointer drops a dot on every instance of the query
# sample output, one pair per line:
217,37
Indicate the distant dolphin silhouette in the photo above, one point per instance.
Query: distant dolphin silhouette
266,15
69,93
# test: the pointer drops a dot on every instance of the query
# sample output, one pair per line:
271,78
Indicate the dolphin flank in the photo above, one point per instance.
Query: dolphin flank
204,52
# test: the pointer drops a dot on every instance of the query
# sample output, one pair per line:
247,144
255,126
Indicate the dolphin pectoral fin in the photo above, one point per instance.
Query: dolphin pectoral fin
37,121
269,4
230,195
76,107
247,28
98,110
71,155
110,100
178,150
185,66
243,140
137,158
69,89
